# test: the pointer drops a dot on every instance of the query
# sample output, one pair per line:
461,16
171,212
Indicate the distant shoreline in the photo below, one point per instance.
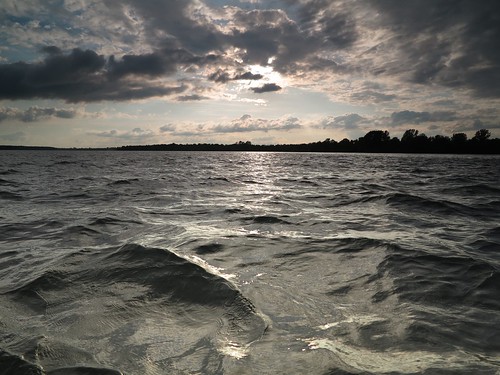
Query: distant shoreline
375,141
299,148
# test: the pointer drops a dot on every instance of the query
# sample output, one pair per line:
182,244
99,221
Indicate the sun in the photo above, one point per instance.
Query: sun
268,73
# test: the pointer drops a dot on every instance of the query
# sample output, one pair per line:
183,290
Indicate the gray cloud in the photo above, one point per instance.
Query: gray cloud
167,128
33,114
152,64
372,96
347,122
248,76
248,124
268,87
475,125
190,98
411,117
136,134
454,43
221,76
448,43
168,22
84,76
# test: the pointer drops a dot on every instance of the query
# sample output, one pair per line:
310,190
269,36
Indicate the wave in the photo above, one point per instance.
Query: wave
11,364
65,162
106,297
379,273
124,182
457,289
302,181
442,207
265,219
336,245
474,189
7,195
37,229
209,249
220,179
8,183
108,220
9,171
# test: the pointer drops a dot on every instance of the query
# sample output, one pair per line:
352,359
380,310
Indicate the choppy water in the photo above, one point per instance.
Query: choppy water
248,263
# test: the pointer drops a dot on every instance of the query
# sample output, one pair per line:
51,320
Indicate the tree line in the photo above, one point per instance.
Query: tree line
376,141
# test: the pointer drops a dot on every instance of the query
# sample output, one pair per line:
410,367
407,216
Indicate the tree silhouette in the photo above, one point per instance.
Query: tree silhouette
459,138
482,135
373,141
409,135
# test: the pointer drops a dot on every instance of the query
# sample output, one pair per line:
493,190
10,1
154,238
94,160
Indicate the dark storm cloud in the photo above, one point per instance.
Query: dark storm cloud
324,19
453,43
159,63
85,76
51,77
35,114
172,22
151,64
411,117
248,76
51,50
221,76
268,87
449,42
263,34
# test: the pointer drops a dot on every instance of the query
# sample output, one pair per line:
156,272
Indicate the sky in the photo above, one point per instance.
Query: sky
103,73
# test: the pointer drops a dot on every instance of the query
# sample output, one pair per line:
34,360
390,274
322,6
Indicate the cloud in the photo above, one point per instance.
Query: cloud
136,134
248,76
247,123
130,49
347,122
151,64
474,125
293,34
372,96
190,98
33,114
411,117
221,76
267,87
85,76
167,128
453,43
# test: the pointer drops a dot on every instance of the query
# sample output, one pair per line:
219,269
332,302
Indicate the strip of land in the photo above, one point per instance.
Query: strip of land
376,141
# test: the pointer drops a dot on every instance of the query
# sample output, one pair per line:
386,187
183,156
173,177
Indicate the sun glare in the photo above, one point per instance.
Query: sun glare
269,74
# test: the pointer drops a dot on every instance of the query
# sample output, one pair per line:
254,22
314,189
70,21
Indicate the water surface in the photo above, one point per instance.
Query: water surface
248,263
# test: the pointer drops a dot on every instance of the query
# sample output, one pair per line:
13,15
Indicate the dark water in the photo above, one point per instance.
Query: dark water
248,263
